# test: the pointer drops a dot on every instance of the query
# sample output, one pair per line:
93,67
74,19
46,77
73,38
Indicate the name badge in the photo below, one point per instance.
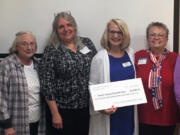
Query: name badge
142,61
85,50
126,64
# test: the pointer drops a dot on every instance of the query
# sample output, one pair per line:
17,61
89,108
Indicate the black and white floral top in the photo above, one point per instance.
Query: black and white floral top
65,75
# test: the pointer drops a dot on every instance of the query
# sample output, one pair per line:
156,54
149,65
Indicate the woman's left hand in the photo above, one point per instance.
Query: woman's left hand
109,111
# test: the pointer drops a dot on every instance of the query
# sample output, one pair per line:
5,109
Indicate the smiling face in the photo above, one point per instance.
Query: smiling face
26,47
157,38
115,36
65,30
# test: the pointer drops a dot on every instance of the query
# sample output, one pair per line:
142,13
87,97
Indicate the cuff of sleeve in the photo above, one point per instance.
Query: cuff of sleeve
50,97
6,123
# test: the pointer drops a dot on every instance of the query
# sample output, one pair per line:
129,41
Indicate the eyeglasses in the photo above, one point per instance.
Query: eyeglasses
115,32
153,35
26,43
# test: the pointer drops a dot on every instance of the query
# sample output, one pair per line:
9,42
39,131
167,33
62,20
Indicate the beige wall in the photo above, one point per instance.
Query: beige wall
91,17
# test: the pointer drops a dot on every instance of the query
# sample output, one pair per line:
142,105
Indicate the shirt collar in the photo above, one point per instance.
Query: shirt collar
17,61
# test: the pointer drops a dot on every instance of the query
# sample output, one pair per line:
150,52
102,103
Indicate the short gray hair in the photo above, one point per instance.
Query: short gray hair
157,24
13,49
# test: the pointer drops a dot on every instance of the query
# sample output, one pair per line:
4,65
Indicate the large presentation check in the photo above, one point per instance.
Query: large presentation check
118,94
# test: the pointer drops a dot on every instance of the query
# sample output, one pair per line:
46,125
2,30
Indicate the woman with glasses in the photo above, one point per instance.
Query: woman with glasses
65,76
20,102
113,63
155,66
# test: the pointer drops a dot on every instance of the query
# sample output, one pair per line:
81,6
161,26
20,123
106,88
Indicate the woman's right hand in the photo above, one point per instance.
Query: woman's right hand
9,131
57,121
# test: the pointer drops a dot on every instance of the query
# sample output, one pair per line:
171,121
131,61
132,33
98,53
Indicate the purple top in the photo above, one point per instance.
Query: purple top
177,81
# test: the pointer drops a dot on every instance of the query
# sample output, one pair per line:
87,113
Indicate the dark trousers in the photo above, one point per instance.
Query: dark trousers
146,129
33,128
75,122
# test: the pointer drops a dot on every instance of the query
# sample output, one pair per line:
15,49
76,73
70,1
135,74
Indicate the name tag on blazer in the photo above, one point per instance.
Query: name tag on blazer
126,64
142,61
85,50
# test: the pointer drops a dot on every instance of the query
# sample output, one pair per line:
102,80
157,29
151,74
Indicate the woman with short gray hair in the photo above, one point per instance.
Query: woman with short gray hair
20,102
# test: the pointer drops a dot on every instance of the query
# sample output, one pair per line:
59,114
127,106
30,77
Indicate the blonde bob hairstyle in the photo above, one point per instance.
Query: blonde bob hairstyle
123,28
13,48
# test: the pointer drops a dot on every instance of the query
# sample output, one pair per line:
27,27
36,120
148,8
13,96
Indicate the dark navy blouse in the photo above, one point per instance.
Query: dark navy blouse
122,121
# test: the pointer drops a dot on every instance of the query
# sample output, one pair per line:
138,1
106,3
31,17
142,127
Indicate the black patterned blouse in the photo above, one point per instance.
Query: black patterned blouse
65,75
